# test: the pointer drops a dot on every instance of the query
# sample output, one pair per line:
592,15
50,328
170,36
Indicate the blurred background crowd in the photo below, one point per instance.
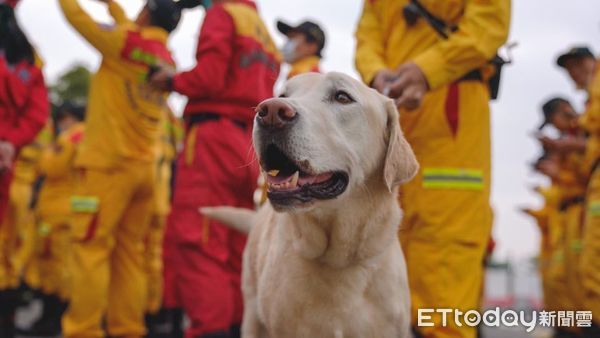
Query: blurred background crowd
102,171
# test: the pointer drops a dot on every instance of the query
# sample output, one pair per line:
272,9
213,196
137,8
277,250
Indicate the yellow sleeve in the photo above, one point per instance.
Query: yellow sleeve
590,120
370,50
107,40
481,31
118,14
57,160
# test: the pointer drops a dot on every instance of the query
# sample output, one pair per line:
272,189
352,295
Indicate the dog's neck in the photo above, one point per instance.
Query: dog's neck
340,237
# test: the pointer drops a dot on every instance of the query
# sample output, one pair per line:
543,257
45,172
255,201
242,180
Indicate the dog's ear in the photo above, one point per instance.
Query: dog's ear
400,162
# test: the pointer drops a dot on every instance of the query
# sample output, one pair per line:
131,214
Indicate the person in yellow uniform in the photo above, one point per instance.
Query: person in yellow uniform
564,201
17,230
304,47
440,85
53,215
116,170
584,71
545,218
571,180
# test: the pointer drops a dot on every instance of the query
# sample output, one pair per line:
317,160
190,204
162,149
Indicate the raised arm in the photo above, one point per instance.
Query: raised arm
118,14
108,40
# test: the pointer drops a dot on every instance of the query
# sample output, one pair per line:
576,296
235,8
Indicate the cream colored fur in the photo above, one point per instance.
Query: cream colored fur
333,268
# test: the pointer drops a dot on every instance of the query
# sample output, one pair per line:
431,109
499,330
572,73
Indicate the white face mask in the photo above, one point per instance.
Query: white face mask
289,51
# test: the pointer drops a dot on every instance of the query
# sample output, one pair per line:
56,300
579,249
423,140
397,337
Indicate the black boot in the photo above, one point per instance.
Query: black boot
220,334
176,320
591,332
9,301
235,331
416,333
49,324
158,324
166,323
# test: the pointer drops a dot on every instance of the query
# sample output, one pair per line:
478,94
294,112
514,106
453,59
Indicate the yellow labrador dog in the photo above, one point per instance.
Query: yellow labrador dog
323,258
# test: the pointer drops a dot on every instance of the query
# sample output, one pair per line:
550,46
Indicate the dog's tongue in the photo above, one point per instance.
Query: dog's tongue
314,179
275,177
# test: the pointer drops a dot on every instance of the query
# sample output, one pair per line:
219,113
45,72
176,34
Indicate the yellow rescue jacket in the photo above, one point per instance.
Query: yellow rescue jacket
124,114
590,121
26,162
482,29
305,65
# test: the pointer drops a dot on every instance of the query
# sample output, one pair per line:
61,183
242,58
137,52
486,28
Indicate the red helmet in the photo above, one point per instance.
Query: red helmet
11,3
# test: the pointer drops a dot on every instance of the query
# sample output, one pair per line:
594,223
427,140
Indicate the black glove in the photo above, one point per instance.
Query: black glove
185,4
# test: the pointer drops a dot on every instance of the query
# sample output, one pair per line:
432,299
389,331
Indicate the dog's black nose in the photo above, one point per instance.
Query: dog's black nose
275,113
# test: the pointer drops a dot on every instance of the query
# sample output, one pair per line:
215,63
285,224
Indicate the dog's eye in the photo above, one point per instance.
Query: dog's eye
342,97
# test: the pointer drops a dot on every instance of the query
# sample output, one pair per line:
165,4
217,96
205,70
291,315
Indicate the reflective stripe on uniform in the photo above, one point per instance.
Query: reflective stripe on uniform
452,178
558,257
576,245
44,229
84,204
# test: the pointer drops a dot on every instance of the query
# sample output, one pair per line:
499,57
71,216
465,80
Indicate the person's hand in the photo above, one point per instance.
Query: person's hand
410,86
549,168
161,80
563,144
527,211
569,143
383,79
547,142
7,155
536,189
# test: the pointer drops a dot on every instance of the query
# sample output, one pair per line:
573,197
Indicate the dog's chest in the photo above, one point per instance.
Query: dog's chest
304,299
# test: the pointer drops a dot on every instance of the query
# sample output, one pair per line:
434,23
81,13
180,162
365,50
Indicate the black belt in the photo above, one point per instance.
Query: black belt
472,75
198,118
565,204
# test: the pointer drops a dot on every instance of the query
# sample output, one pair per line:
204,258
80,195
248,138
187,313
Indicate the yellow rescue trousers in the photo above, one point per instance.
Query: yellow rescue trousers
111,216
51,255
447,215
154,265
573,248
16,235
562,287
155,236
589,266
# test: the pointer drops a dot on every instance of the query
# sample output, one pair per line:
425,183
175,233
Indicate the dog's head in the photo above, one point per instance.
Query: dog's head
326,137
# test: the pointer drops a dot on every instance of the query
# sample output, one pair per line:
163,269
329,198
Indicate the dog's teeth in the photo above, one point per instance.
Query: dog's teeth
261,180
294,181
273,173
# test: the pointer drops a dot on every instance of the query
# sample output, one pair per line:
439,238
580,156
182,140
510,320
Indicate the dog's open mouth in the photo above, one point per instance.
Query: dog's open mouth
293,183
